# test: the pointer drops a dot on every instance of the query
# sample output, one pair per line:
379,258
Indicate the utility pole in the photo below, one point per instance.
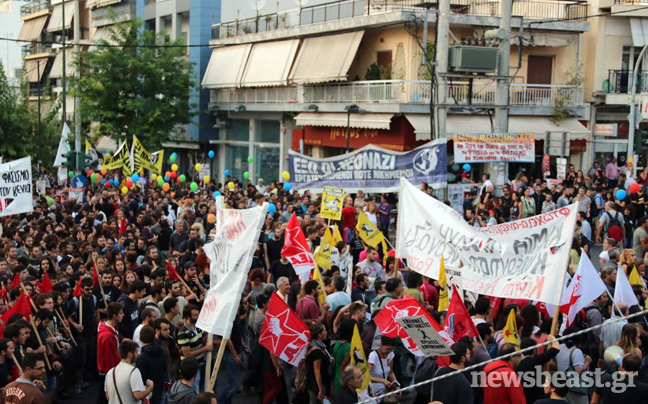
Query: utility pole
77,74
441,58
502,91
63,81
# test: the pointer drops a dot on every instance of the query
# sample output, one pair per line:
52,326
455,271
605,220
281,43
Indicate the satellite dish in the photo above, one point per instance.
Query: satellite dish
257,4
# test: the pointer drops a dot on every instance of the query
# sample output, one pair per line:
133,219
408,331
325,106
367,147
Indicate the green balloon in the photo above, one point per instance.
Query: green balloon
194,186
93,177
183,178
172,158
70,174
246,175
160,181
250,159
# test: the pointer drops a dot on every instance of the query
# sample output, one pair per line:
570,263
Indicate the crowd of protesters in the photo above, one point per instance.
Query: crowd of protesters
107,311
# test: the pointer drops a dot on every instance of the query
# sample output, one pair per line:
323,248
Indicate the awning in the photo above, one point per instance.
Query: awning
33,69
226,65
339,120
57,67
421,124
517,124
325,58
101,3
31,29
56,19
269,63
102,33
639,30
545,39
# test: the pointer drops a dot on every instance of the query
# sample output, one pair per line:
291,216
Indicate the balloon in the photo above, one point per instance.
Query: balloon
178,180
182,178
174,174
287,186
227,173
129,183
198,166
160,181
142,181
466,167
70,174
206,179
166,178
285,175
193,186
634,187
272,208
135,177
173,158
166,187
250,159
174,167
211,154
124,190
90,172
174,154
104,171
230,185
154,176
246,175
620,195
107,184
211,218
167,174
217,194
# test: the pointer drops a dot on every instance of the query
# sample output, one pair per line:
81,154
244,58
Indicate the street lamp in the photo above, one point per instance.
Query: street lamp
350,109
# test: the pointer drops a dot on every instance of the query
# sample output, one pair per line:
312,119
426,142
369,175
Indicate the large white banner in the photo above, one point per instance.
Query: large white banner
230,252
16,187
523,259
491,147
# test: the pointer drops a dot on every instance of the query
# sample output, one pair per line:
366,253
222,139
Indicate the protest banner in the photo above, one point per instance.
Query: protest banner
494,147
523,259
139,157
426,338
332,200
119,160
16,187
371,168
284,333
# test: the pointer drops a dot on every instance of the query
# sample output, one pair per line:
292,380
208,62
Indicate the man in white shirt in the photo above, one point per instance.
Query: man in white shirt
611,331
371,266
124,382
148,317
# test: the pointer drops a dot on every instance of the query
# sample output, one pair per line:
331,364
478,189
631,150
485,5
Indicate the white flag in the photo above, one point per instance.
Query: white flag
230,253
63,147
586,285
623,290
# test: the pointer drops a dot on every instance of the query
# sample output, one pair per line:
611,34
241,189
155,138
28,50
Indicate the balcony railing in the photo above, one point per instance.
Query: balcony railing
403,92
632,2
342,9
618,82
34,7
36,48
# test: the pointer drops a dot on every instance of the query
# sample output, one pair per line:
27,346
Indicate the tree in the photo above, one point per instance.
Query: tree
19,126
136,83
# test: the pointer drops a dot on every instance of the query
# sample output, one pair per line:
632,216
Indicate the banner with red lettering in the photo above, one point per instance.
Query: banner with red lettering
492,147
296,249
524,259
230,253
284,333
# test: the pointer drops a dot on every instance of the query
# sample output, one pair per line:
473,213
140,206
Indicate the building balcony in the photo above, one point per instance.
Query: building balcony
618,82
417,92
632,2
344,9
36,49
34,7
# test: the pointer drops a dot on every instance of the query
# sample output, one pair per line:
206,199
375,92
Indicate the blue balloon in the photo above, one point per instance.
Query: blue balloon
227,173
287,186
135,177
620,195
174,154
216,194
272,208
466,167
166,178
211,154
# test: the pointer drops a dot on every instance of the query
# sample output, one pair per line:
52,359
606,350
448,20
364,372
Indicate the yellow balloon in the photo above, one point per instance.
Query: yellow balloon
198,166
174,167
285,175
124,190
154,176
230,185
206,179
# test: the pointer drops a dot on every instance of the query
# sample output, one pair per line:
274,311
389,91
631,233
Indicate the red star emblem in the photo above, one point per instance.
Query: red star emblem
280,333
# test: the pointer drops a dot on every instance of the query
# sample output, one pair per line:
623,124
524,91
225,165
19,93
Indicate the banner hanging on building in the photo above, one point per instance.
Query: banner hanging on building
371,168
524,259
16,187
494,147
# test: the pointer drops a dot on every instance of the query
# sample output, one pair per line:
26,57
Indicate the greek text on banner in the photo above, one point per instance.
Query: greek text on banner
16,187
492,147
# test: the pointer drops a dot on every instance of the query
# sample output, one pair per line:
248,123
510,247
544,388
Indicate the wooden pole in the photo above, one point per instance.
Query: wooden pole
208,359
51,334
62,319
94,269
15,361
219,359
40,342
554,322
81,308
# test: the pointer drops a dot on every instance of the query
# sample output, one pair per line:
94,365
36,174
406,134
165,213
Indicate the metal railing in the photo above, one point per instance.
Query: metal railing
34,7
618,82
404,92
36,48
632,2
342,9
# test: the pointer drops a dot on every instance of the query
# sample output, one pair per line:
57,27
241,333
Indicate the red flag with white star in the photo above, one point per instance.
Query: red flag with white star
284,333
296,249
407,307
586,285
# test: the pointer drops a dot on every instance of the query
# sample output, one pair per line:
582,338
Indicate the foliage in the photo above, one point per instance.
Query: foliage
19,126
141,87
373,72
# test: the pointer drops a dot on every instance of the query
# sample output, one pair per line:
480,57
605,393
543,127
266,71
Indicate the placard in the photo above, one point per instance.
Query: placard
332,201
494,147
16,187
428,340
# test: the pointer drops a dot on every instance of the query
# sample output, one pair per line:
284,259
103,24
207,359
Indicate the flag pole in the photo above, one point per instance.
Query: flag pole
208,359
40,342
554,321
62,319
15,361
219,358
94,269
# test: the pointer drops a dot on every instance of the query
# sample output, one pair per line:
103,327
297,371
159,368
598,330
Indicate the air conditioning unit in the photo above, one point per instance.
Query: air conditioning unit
473,59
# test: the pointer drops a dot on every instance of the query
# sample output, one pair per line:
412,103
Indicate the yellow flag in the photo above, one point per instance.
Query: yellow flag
634,278
157,159
368,231
337,237
358,358
510,330
444,302
317,276
323,252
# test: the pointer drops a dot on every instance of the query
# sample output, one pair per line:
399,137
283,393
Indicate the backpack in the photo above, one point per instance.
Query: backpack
614,227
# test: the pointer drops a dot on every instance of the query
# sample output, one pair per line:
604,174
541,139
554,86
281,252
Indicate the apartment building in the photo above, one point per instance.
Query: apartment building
297,79
10,51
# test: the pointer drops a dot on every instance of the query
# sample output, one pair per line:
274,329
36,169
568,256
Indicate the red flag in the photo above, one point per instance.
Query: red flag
496,302
45,285
284,333
16,281
458,322
22,306
296,249
95,275
173,274
407,307
77,290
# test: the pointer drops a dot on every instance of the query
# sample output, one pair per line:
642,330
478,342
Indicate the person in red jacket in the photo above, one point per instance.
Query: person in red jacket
108,344
501,384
